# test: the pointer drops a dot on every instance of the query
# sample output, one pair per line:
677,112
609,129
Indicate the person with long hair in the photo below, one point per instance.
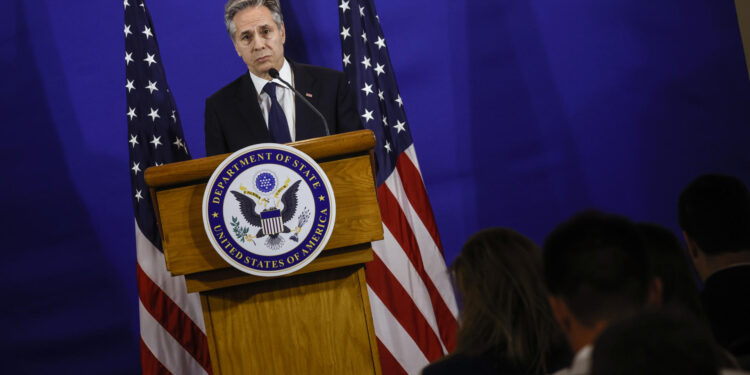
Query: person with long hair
506,324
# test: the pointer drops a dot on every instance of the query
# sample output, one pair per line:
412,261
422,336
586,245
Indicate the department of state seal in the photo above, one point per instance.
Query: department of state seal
268,209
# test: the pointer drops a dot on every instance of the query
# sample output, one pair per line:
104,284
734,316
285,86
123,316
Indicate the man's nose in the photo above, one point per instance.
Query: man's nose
258,45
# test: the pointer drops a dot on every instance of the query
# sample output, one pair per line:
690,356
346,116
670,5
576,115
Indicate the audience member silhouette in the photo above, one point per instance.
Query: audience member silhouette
506,325
656,343
714,214
671,264
597,272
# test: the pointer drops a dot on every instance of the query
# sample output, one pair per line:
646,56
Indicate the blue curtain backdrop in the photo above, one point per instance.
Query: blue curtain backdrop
522,112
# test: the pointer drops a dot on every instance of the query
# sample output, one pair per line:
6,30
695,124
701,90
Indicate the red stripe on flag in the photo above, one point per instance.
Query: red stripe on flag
173,319
149,364
384,284
414,188
394,219
388,364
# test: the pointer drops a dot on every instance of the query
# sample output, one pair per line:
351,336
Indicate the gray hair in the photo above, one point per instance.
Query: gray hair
234,6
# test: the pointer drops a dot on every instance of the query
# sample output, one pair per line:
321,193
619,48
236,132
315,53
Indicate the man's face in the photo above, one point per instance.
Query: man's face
258,40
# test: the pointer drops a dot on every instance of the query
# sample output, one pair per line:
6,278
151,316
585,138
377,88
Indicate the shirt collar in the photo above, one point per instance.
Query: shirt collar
581,364
285,73
735,265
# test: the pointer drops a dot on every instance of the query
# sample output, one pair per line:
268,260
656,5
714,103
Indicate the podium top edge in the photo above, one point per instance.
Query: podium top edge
317,148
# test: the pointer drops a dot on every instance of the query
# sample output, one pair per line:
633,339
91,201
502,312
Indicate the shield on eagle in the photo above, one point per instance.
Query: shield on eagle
270,221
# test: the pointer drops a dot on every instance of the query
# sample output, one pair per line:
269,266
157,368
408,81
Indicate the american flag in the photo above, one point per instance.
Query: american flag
173,338
413,305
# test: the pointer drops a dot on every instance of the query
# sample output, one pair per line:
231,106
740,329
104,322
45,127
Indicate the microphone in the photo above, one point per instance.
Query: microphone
275,75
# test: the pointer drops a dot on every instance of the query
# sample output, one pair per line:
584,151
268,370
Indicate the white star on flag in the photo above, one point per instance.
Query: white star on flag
150,59
380,42
344,6
400,126
387,146
367,116
345,32
133,140
366,62
346,60
379,68
136,167
154,114
129,85
147,32
361,11
131,114
178,143
385,121
138,195
125,4
364,37
151,87
380,95
128,58
156,141
367,89
127,30
174,116
399,101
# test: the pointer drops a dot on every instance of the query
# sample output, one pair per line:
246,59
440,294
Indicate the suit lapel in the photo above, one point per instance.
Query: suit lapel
255,129
307,123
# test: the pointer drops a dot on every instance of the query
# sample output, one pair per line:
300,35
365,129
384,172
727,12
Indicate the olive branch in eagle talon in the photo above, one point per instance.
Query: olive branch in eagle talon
241,232
288,200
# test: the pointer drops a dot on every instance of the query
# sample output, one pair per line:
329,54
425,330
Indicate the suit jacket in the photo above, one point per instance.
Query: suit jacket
726,300
234,119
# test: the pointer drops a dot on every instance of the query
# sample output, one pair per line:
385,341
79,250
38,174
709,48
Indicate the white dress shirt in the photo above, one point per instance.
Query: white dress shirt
284,96
581,364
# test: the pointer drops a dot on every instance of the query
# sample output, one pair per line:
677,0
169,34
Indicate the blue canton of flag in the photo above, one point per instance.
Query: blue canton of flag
368,67
172,330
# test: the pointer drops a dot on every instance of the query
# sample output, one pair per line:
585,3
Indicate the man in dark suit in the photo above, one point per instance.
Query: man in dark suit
255,108
714,214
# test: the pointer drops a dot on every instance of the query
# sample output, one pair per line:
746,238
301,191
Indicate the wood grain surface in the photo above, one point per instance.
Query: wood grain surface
314,323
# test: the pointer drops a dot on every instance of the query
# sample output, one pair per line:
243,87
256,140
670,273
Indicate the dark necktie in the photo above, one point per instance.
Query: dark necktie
277,124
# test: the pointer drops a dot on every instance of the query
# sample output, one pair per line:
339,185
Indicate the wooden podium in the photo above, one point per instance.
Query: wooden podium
316,320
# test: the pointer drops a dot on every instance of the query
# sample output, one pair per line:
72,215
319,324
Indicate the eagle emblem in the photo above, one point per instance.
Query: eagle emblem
268,209
271,215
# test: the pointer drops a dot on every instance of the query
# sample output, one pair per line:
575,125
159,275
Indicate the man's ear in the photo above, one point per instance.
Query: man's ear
283,33
692,247
655,293
561,312
698,257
